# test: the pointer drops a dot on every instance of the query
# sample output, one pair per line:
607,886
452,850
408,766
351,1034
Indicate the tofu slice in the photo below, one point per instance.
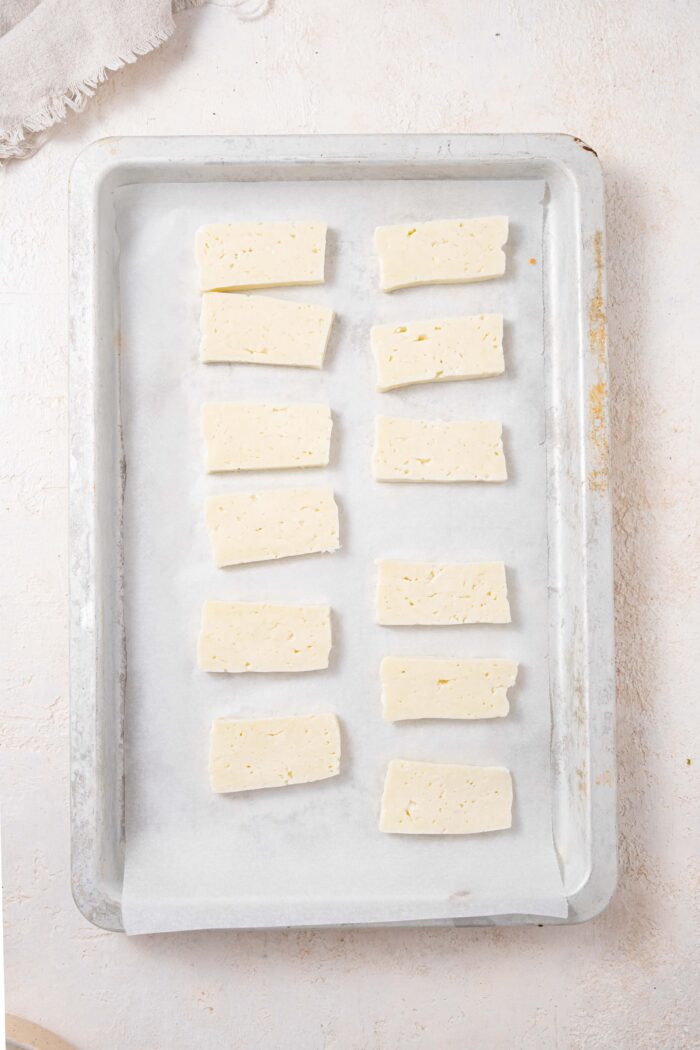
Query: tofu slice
239,255
432,450
437,688
274,523
449,251
428,798
243,436
257,329
425,593
273,752
247,636
438,350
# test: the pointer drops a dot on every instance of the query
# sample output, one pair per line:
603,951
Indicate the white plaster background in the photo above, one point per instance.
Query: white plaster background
623,76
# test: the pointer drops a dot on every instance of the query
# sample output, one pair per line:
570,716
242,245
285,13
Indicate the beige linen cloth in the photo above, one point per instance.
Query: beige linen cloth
54,53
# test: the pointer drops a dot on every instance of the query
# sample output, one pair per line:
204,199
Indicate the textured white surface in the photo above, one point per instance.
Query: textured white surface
623,78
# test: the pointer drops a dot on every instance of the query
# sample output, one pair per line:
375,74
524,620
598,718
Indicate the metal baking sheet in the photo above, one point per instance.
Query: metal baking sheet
110,183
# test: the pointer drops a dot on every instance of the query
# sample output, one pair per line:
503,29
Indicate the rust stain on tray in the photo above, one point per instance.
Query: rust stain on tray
597,321
598,393
584,145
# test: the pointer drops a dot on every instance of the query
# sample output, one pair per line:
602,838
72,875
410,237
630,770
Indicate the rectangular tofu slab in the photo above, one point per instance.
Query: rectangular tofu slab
432,450
273,752
246,636
437,351
424,593
243,436
427,798
257,329
274,523
435,688
449,251
239,255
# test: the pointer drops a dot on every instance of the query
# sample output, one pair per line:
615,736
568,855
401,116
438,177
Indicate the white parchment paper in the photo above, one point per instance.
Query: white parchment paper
312,854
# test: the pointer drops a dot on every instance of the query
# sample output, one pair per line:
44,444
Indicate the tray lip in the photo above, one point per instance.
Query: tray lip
98,899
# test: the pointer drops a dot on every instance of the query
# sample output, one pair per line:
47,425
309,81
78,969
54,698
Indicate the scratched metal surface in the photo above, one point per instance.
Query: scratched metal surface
581,621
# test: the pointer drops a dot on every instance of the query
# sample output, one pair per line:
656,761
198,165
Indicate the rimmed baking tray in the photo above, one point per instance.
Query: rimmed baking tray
581,680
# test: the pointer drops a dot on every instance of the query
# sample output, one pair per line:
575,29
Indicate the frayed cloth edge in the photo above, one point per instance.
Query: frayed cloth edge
26,137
